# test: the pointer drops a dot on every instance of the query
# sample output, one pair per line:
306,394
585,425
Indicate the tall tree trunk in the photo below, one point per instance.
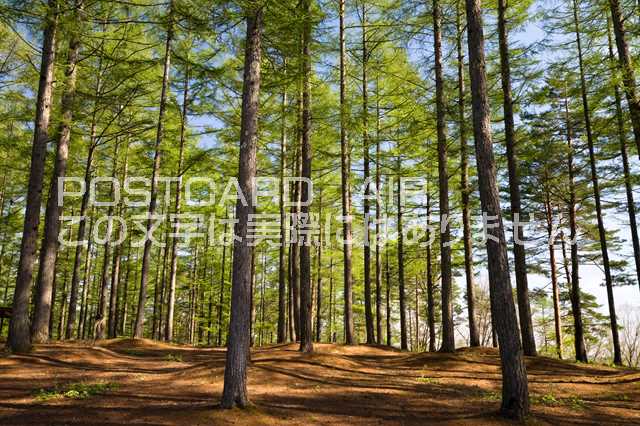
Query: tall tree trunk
388,295
105,280
146,254
617,357
173,274
576,304
222,278
626,66
557,317
448,333
519,255
85,285
465,188
515,393
75,276
631,206
431,314
345,163
121,306
368,313
319,276
282,267
306,301
114,303
49,249
378,219
19,337
295,243
403,313
235,373
331,299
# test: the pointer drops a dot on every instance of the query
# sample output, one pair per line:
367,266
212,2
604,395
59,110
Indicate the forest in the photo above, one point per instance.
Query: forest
393,212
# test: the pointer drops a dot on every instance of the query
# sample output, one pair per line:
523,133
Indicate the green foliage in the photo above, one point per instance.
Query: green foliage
80,390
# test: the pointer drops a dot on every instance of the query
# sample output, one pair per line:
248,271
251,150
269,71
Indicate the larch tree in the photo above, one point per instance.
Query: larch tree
19,333
235,373
519,255
515,387
49,248
138,331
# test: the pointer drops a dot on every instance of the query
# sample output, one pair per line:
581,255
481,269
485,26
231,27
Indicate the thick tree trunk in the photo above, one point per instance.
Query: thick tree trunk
49,249
235,373
146,254
282,266
515,393
19,336
626,66
617,357
448,333
368,313
465,189
349,335
306,301
519,255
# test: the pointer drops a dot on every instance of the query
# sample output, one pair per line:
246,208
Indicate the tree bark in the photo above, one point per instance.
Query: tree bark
626,67
431,314
235,373
515,393
319,275
448,333
105,280
282,269
617,357
465,189
403,314
49,249
576,304
368,313
557,317
519,255
19,337
345,163
388,295
378,219
146,254
222,278
628,186
306,301
173,274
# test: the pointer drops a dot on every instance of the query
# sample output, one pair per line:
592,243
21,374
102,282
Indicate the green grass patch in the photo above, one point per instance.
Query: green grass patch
79,390
551,400
428,380
173,357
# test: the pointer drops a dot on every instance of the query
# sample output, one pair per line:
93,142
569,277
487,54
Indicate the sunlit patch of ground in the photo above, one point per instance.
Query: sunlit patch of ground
144,382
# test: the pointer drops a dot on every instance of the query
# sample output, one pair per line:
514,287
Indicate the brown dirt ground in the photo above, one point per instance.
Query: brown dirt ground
161,384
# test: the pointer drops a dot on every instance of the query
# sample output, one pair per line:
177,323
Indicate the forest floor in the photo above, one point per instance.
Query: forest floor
148,383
